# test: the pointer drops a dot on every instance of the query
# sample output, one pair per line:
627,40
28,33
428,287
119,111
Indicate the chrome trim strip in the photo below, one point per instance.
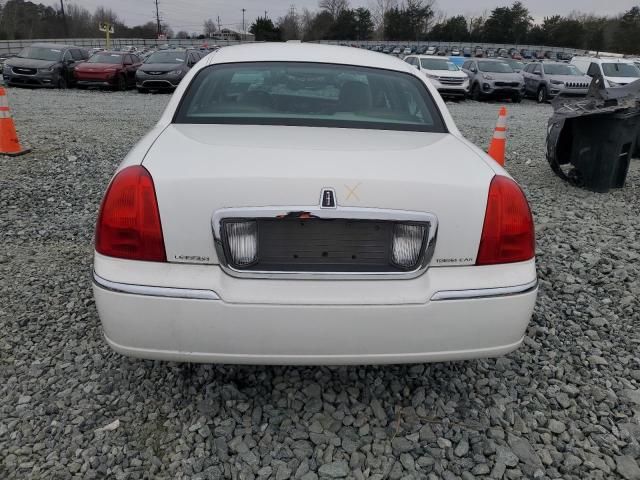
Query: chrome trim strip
485,292
167,292
352,213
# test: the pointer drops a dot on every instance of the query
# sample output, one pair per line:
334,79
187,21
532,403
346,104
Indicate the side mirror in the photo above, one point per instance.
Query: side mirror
417,66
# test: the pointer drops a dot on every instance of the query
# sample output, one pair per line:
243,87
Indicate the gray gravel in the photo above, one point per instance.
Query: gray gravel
565,405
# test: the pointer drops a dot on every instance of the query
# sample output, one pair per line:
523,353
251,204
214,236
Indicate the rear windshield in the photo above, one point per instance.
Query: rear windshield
561,69
166,57
438,64
620,70
105,58
495,67
309,94
41,53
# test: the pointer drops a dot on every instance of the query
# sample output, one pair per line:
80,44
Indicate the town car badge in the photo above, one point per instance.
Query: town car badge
328,198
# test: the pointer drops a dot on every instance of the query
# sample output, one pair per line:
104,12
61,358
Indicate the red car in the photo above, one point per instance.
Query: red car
108,69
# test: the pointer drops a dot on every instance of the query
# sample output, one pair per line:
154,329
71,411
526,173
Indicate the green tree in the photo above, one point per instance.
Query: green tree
627,35
364,24
264,30
508,24
454,29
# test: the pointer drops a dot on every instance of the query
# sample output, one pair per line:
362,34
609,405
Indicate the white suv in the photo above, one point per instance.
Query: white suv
442,73
616,72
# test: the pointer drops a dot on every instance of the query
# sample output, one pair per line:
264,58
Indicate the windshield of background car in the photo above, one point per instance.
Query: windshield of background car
108,58
620,70
516,65
562,69
436,64
311,95
166,57
495,67
41,53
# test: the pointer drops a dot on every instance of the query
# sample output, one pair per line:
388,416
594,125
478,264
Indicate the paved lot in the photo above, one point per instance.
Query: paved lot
565,405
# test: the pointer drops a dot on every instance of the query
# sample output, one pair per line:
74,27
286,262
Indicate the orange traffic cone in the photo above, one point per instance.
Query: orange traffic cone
499,140
9,143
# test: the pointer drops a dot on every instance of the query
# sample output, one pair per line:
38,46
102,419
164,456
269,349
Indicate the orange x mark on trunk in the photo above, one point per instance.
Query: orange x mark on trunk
352,191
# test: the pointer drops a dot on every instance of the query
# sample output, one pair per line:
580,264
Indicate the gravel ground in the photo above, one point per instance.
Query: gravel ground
565,405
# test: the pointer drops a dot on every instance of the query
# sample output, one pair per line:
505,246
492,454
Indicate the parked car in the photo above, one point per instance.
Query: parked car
466,51
397,50
430,51
493,78
387,49
539,55
616,72
517,65
516,56
455,52
165,69
503,53
407,51
443,74
108,69
442,51
564,56
129,49
491,53
44,65
545,80
356,226
478,52
549,54
422,49
526,54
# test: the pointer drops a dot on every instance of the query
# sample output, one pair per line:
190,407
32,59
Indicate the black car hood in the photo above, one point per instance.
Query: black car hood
29,62
161,67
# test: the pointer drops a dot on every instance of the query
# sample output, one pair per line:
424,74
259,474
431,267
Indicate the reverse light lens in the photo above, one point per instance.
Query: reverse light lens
242,238
129,221
508,234
407,245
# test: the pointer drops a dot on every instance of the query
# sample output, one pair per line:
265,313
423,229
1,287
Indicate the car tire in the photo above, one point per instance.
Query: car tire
121,83
516,98
476,94
142,90
62,83
542,94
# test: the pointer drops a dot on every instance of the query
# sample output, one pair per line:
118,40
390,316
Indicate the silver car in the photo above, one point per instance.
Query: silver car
546,80
493,78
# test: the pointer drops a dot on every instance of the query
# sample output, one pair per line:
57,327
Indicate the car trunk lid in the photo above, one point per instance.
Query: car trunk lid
201,169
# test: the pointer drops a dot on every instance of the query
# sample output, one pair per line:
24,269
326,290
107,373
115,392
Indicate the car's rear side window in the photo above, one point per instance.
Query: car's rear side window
309,94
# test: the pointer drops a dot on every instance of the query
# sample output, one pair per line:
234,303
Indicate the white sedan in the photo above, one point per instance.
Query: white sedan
311,204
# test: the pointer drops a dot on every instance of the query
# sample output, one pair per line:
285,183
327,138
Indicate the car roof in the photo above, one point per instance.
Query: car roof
52,45
603,59
435,57
307,52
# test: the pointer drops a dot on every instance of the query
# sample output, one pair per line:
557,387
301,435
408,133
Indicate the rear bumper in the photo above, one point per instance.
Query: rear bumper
340,327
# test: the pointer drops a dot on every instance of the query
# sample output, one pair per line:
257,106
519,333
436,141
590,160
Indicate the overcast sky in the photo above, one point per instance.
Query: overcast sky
190,14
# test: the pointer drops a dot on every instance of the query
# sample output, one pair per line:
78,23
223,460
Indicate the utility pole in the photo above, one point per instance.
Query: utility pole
219,24
159,28
64,19
244,30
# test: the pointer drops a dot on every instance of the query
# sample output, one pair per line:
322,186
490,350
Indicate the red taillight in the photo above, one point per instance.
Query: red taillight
129,222
507,235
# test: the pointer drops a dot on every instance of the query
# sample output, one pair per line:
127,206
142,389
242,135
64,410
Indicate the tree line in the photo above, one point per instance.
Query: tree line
390,20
